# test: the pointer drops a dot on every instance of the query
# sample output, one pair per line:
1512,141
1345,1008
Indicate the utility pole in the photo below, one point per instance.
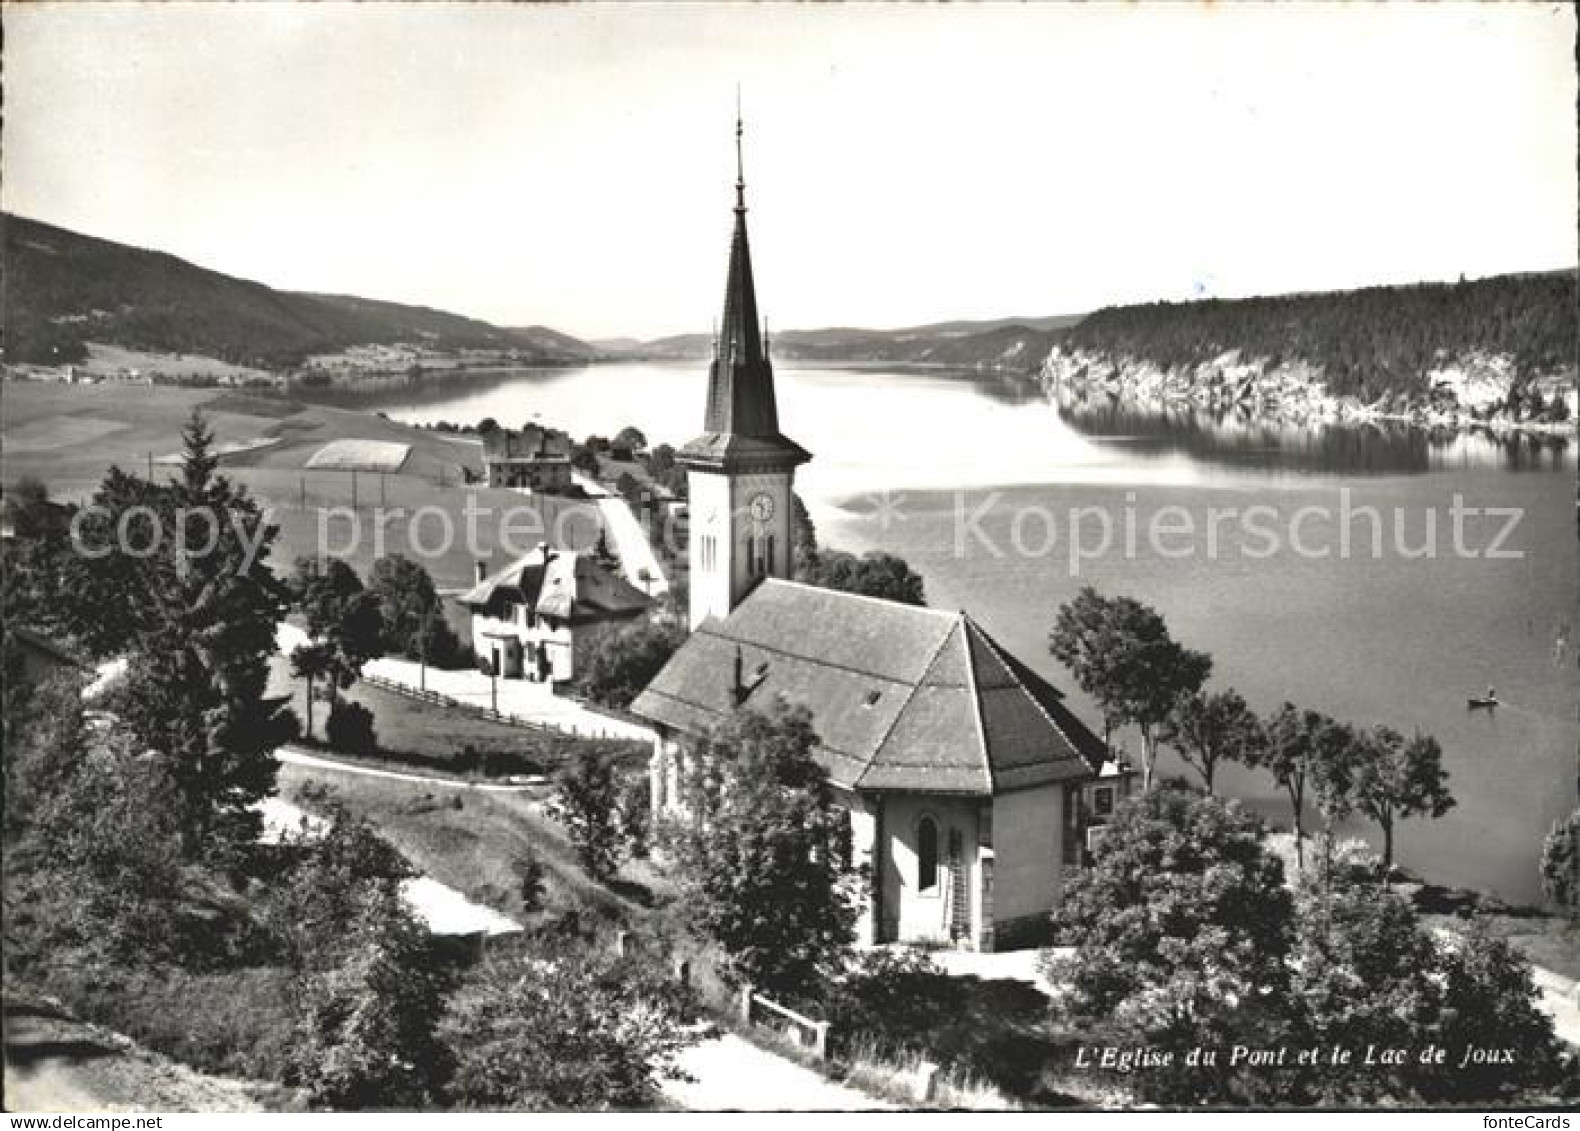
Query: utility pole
353,489
150,467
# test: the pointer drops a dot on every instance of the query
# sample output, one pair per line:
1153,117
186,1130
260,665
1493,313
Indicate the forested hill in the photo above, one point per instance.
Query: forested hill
1006,344
1366,343
63,289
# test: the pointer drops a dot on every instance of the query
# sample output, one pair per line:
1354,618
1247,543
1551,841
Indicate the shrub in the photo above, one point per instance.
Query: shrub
350,728
566,1030
369,1035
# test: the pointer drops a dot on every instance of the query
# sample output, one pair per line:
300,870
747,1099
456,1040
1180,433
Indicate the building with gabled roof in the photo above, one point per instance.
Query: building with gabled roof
537,618
972,788
535,459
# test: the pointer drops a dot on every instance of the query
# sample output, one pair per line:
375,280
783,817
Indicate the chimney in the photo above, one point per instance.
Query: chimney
482,570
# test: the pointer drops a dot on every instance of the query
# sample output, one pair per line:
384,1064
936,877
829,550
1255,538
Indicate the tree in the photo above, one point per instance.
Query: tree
200,616
1561,863
1207,729
1397,779
1362,976
630,437
1289,754
340,614
1121,653
803,531
587,801
621,663
874,574
369,1038
409,605
765,860
311,662
1337,752
350,728
1180,932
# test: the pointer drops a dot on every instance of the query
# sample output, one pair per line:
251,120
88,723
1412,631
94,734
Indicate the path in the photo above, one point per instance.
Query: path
55,1063
630,540
296,756
531,702
732,1074
522,699
444,910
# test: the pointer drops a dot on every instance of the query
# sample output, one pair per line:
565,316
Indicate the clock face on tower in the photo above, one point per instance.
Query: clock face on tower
762,506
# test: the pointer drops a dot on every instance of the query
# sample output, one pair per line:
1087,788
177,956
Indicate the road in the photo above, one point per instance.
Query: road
56,1063
732,1074
630,540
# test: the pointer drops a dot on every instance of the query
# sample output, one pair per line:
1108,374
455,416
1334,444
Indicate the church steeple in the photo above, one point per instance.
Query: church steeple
742,417
740,473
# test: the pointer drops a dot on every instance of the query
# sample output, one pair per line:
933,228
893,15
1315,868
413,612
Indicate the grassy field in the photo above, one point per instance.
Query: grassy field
472,841
425,735
68,436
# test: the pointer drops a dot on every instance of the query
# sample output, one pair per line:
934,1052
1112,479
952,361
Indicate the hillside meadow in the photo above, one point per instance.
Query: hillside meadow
69,436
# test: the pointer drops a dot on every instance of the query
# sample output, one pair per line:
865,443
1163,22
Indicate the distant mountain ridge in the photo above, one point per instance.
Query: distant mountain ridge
64,289
1015,344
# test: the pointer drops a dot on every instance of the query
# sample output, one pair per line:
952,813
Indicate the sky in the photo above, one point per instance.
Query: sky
573,165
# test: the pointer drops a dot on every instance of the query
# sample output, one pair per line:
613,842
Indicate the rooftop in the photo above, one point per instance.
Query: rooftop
903,699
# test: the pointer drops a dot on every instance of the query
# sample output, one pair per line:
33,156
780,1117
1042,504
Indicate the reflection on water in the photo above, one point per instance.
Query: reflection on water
1369,639
1237,437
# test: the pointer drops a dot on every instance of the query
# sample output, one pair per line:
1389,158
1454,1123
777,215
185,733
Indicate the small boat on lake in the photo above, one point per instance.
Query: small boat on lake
1486,702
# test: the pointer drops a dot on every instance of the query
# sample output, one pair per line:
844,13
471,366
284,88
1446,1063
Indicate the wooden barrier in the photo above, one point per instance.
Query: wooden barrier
508,719
813,1034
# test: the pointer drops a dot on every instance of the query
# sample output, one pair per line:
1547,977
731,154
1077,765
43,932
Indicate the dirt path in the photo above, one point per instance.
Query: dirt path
731,1074
296,756
54,1062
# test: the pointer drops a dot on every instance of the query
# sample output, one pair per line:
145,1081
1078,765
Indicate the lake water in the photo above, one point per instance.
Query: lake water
984,486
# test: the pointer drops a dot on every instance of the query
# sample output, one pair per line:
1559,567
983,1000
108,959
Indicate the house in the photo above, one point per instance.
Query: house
972,789
536,458
537,618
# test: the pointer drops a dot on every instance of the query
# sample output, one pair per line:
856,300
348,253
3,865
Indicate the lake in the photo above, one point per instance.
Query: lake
1458,571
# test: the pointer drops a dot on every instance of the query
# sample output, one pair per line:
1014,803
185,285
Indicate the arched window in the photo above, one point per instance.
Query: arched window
926,854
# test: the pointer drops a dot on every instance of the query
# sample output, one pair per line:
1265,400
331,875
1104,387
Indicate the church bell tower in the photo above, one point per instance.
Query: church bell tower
741,470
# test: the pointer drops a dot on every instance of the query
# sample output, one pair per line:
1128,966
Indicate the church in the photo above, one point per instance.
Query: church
972,789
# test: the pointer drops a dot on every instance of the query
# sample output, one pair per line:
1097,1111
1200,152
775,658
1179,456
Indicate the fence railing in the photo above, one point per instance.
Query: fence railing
806,1030
439,699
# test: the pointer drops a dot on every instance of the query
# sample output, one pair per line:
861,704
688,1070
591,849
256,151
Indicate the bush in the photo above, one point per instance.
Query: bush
350,728
369,1035
530,881
623,662
566,1031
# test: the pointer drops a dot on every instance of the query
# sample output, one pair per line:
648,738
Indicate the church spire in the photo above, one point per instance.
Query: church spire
740,162
742,416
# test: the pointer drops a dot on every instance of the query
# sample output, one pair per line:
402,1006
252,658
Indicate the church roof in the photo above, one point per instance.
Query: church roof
903,699
742,419
567,584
